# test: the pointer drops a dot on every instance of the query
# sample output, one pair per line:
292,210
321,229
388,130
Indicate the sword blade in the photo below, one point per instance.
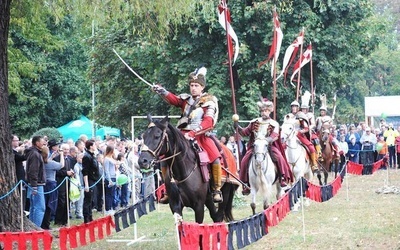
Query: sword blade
130,69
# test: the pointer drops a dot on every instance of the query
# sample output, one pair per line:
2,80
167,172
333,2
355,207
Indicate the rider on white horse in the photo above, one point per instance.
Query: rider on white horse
267,127
305,100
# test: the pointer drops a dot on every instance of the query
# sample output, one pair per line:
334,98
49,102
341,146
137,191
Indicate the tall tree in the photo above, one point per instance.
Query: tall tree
9,212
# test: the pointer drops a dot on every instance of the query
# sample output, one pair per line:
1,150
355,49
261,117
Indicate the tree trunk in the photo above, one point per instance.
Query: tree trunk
10,218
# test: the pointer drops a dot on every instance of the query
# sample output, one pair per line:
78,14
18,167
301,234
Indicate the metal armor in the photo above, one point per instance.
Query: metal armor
196,109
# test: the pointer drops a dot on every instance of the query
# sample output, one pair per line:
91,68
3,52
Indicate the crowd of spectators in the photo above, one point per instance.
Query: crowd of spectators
95,165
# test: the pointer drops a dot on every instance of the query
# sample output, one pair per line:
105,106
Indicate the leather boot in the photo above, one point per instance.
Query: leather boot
164,199
318,149
314,163
216,174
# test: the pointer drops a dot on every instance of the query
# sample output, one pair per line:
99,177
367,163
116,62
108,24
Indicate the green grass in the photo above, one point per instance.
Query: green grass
356,218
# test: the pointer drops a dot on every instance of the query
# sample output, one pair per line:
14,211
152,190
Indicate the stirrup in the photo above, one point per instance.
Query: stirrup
217,196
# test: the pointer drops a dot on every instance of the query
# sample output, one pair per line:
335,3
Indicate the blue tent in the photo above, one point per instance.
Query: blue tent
74,129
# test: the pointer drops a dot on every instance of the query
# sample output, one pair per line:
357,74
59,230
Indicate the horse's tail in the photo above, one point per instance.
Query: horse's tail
228,216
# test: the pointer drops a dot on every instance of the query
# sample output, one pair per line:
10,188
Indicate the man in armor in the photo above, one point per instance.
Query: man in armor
294,108
323,123
270,129
304,136
199,116
305,99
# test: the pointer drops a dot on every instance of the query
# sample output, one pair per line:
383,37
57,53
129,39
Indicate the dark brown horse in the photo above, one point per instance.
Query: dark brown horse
328,158
184,182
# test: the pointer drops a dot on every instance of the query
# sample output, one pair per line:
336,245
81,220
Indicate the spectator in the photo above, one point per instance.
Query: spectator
79,176
390,136
132,159
123,169
99,190
354,150
90,172
368,141
382,150
51,167
80,145
232,146
19,159
344,147
109,178
223,140
36,178
397,142
353,133
66,171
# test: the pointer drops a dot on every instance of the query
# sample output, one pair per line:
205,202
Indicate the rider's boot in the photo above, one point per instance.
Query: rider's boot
216,173
164,199
318,149
314,163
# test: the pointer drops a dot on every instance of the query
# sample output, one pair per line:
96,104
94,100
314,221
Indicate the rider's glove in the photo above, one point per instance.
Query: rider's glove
159,89
255,126
190,135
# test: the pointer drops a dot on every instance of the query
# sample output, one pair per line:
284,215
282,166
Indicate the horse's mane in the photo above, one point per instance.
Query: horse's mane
180,141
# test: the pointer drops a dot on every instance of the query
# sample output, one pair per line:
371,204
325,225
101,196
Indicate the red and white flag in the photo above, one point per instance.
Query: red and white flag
276,43
290,54
222,8
305,58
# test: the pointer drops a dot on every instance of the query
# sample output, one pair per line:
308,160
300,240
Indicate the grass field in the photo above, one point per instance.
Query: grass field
356,218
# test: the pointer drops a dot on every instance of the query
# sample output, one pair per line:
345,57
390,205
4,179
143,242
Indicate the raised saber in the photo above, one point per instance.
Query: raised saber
136,74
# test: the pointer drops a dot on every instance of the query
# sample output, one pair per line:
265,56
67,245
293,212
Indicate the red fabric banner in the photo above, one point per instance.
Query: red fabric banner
160,191
203,236
354,168
70,234
314,192
43,238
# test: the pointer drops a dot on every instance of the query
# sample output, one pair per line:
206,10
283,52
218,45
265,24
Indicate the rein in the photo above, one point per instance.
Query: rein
157,151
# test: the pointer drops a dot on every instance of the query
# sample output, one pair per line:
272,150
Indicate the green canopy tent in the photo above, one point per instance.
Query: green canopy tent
104,131
74,129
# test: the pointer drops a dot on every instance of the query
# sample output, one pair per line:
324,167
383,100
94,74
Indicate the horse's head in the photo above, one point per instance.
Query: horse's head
287,131
155,142
260,149
324,135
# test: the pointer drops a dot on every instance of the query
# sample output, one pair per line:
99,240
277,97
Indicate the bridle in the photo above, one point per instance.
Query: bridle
290,136
156,154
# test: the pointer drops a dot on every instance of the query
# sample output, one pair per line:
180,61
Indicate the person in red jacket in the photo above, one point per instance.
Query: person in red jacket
198,118
397,144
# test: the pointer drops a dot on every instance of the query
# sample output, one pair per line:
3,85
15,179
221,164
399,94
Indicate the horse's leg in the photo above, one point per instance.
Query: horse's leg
253,194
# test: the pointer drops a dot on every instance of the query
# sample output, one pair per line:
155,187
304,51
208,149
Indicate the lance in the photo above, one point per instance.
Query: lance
130,69
334,107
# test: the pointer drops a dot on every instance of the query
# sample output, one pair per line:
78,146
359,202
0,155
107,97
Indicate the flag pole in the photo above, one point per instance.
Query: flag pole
299,73
312,84
225,6
274,64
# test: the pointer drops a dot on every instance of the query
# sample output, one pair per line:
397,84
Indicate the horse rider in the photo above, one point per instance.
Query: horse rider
198,118
304,136
311,122
270,129
294,108
323,123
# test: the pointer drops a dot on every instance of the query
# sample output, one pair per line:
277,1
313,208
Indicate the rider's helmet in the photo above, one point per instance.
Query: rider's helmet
295,103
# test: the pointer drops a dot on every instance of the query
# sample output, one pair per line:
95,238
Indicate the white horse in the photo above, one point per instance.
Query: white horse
296,154
262,173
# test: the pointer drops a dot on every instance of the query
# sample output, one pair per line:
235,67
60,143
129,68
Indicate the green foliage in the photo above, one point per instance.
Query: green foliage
58,53
51,133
